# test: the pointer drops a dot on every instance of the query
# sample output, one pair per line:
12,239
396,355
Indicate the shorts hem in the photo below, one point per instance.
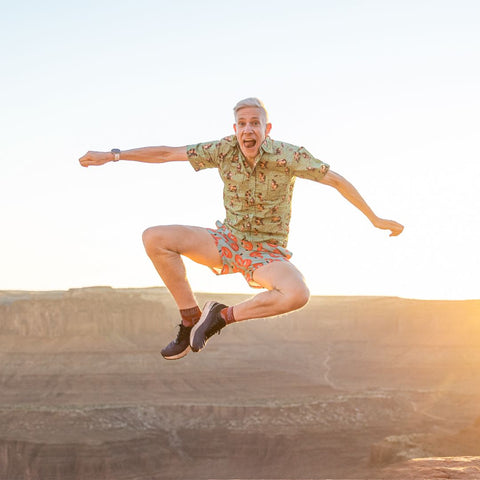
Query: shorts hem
243,256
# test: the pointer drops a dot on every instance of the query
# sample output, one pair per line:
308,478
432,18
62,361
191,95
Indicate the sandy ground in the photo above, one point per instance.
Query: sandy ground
345,388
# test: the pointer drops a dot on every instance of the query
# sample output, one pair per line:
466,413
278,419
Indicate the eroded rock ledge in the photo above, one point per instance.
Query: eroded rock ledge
453,468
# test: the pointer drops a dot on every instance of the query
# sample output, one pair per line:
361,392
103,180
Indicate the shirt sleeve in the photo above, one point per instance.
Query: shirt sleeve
305,165
204,155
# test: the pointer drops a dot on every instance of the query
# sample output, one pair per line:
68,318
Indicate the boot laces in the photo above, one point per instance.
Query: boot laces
215,328
183,333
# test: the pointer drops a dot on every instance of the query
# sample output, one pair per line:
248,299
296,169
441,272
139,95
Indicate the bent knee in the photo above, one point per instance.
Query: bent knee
298,297
147,238
154,239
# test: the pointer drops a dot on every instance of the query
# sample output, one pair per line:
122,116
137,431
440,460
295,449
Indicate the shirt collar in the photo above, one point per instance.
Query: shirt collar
267,145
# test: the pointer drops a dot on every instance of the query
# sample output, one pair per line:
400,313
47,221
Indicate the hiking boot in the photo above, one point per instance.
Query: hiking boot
210,323
179,347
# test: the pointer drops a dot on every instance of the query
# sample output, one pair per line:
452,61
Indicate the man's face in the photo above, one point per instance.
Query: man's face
251,129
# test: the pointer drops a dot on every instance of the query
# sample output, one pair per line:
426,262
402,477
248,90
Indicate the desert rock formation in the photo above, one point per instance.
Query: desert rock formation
464,468
349,387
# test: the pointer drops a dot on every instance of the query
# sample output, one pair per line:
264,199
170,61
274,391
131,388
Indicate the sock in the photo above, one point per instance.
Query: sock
190,316
227,315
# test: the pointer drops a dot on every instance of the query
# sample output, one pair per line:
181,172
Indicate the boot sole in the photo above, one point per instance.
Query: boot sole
179,355
206,310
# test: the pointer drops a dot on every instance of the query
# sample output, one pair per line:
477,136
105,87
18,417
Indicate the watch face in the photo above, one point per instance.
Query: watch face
115,150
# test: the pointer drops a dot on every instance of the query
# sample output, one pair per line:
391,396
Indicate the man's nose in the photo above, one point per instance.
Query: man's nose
248,128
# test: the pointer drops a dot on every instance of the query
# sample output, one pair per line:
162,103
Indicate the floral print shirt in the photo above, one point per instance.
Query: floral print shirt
258,199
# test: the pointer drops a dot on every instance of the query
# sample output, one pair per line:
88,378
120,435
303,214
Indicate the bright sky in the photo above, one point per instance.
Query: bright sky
386,92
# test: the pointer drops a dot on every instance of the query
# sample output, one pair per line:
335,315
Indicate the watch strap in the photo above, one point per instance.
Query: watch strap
116,154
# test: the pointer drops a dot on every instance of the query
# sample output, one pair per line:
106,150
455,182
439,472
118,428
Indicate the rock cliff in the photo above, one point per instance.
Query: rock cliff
349,387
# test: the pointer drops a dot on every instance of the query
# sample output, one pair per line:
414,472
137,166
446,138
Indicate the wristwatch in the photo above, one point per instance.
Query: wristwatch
116,154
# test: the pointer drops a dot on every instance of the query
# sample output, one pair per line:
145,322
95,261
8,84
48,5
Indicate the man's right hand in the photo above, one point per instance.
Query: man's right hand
95,158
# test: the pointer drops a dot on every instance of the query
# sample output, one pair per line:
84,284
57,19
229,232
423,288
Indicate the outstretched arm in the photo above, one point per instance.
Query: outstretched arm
144,154
336,181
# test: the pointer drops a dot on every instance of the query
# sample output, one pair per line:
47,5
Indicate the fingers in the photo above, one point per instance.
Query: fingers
397,230
94,158
84,161
394,227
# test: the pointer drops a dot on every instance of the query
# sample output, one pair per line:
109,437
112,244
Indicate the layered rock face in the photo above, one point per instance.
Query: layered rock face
341,389
464,468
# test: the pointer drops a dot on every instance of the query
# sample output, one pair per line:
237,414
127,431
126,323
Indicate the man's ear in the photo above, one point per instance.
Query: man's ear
235,127
268,128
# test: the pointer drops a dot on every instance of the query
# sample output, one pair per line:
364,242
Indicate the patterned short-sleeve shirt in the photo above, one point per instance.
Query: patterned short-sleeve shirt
258,199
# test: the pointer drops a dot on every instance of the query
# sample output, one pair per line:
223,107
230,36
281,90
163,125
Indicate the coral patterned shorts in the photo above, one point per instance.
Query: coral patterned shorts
244,256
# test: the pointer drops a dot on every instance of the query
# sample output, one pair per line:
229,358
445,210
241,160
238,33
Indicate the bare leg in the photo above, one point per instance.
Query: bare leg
165,245
287,291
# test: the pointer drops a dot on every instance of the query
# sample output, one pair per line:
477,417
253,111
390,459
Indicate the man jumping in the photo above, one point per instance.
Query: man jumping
258,174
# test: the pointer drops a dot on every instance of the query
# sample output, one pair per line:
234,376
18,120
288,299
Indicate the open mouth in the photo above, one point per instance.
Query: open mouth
250,143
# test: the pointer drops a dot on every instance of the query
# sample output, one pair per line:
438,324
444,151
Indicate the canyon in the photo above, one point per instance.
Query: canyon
348,387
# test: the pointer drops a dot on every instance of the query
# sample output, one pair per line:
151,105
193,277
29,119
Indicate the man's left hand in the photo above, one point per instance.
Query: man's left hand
394,227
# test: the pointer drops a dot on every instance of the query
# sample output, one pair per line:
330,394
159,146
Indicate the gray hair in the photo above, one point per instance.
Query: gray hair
250,102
